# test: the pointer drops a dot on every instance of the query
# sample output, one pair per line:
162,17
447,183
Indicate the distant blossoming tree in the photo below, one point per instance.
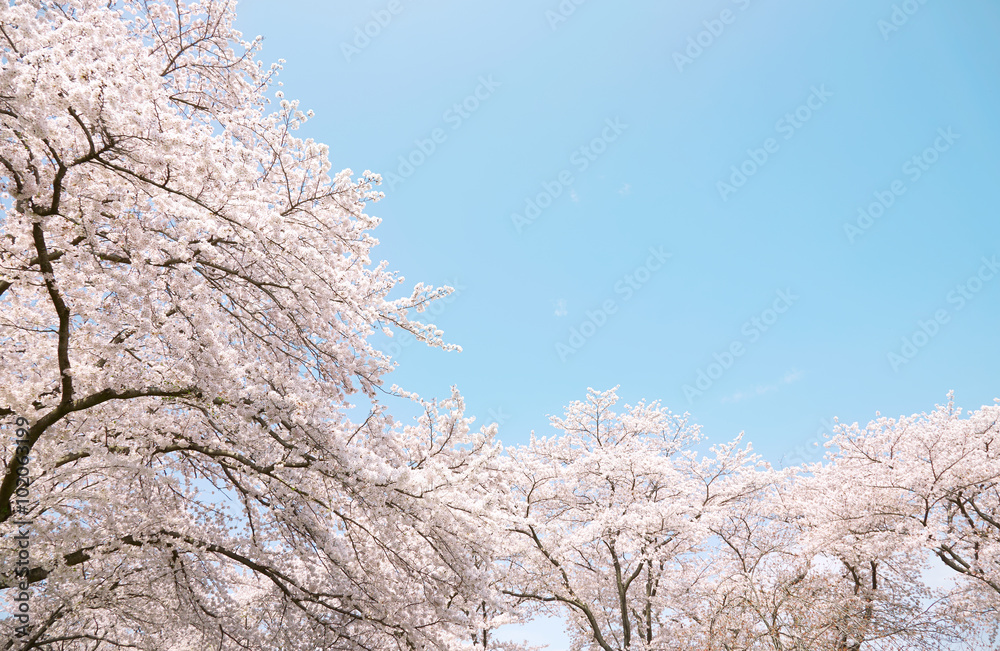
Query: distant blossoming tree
619,525
926,487
609,522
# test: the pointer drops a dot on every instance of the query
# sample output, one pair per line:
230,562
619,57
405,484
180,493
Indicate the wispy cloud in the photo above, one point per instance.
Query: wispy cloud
761,389
561,307
792,376
625,189
574,196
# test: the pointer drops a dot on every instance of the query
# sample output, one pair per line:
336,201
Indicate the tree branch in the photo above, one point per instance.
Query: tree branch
9,483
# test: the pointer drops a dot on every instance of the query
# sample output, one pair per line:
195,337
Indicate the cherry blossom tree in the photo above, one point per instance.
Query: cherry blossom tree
783,578
619,525
608,522
925,486
186,297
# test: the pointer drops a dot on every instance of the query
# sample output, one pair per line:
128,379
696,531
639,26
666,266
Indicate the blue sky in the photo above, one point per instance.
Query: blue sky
811,187
837,102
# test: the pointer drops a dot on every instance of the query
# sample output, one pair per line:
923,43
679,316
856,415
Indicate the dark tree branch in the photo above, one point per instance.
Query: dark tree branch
9,484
